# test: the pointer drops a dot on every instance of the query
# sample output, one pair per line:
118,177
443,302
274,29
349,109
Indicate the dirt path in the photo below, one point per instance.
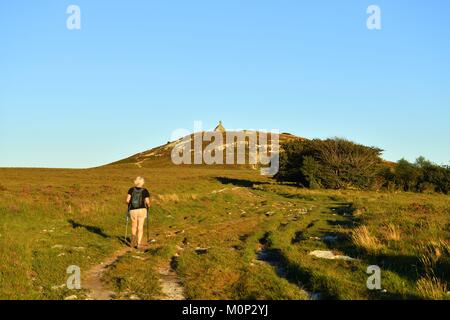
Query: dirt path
170,284
93,280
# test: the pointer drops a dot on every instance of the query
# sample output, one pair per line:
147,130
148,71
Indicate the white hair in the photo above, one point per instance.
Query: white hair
139,182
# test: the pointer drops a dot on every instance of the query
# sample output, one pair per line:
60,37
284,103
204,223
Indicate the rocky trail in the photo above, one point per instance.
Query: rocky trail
93,281
170,283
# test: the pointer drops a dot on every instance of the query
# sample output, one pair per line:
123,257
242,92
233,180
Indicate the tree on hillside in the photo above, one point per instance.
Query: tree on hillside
406,175
332,163
420,176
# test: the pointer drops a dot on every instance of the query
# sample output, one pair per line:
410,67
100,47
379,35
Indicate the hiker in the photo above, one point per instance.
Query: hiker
138,200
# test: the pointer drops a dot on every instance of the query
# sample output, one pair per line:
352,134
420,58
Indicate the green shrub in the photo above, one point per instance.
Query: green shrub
421,176
332,163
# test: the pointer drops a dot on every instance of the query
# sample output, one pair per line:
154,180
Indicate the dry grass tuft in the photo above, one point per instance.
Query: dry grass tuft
431,252
168,197
360,211
432,288
87,207
392,232
173,197
362,238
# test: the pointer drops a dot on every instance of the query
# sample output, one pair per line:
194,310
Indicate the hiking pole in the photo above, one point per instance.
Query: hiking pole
126,231
148,222
126,225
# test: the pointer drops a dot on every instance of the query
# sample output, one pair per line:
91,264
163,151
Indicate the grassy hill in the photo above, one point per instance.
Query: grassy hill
226,232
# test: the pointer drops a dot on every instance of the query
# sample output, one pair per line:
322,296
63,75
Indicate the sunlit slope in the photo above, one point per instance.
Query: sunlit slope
161,156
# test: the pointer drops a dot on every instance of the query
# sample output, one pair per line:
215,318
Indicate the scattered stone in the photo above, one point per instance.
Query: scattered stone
134,297
330,238
73,297
138,257
57,246
79,248
314,238
314,295
58,287
61,254
329,255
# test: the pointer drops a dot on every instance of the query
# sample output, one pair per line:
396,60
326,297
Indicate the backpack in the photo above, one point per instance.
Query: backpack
137,200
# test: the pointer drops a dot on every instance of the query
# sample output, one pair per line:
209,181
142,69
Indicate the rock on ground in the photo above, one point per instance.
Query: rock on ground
329,255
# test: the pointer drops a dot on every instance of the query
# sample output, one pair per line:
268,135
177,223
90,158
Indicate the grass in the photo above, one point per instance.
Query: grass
393,232
363,239
432,288
139,281
50,219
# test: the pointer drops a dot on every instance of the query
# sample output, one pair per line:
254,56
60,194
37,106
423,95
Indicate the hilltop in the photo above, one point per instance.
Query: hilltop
161,155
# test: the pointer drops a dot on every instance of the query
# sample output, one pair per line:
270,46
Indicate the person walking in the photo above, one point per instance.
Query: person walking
138,201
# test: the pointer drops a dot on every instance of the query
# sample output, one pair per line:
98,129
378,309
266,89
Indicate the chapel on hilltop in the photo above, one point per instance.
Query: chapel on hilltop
220,127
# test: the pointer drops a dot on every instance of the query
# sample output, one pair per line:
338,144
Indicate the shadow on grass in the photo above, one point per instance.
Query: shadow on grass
97,230
126,241
341,223
409,266
304,278
345,209
240,182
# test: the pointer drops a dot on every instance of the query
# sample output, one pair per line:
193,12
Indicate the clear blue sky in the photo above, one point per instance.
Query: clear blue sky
137,70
